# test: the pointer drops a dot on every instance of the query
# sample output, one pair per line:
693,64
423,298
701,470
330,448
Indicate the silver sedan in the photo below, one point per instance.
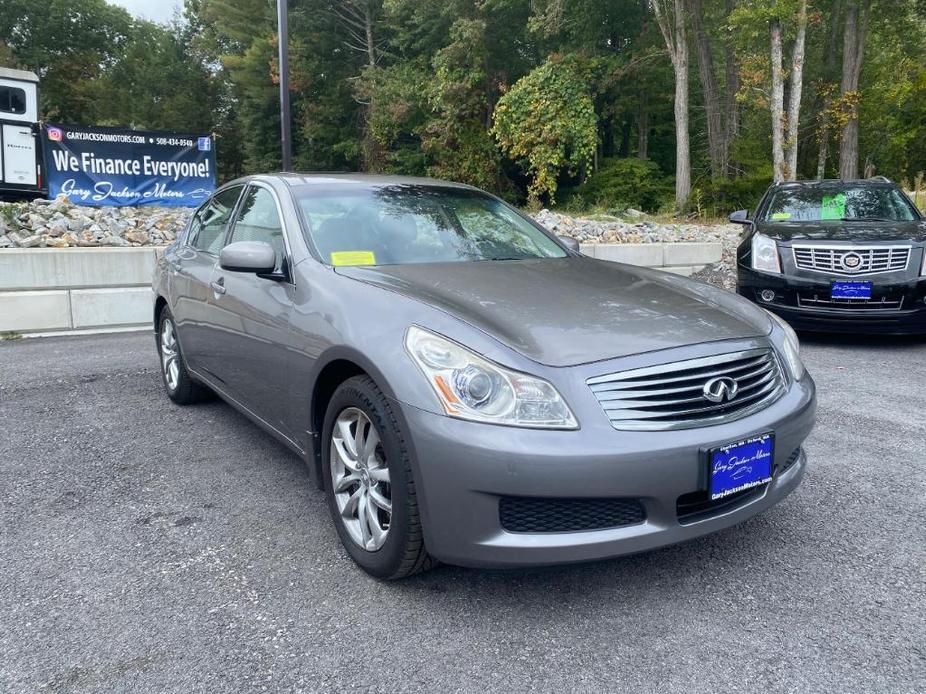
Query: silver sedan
467,387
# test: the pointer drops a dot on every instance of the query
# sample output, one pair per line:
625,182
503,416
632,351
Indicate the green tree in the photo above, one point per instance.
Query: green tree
547,122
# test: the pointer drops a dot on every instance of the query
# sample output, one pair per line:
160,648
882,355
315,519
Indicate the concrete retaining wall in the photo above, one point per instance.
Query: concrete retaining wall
75,289
50,290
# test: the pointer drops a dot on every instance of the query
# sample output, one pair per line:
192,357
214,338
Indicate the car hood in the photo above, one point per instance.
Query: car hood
576,310
845,231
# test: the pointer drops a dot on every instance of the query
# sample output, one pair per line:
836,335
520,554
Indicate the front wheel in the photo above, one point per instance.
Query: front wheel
368,482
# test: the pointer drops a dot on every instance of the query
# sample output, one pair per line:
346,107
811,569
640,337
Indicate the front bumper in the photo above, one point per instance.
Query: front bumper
909,318
464,469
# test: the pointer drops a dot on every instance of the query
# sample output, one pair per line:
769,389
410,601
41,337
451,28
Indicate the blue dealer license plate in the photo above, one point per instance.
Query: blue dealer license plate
850,290
741,465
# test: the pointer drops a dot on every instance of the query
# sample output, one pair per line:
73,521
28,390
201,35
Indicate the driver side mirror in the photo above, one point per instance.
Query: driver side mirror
570,243
248,256
740,217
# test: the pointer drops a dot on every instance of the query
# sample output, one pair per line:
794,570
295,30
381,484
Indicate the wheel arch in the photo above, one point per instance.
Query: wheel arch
159,303
332,369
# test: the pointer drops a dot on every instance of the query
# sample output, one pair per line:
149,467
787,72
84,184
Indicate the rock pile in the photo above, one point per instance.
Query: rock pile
640,229
60,224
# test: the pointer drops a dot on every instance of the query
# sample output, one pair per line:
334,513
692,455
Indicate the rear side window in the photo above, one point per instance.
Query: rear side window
207,231
12,100
259,220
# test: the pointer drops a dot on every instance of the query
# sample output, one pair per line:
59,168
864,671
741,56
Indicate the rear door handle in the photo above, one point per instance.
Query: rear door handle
218,286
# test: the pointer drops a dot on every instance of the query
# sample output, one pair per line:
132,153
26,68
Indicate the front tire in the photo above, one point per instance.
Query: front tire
180,386
368,482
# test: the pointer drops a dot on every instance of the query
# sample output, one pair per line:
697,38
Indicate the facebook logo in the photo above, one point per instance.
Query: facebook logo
204,144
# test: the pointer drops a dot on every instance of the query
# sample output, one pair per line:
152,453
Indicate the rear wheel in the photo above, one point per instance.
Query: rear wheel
180,386
368,482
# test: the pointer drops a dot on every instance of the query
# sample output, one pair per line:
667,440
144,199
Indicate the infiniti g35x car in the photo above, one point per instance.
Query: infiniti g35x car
467,387
837,256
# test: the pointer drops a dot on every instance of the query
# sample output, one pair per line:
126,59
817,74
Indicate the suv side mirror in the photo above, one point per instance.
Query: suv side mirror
570,243
740,217
248,256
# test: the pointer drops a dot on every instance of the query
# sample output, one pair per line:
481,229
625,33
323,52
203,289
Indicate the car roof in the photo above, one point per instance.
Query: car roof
875,182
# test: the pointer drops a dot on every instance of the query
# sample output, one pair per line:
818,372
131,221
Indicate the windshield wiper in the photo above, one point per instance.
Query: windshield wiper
867,219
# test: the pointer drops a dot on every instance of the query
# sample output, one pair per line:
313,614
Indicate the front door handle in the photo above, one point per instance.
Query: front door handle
218,286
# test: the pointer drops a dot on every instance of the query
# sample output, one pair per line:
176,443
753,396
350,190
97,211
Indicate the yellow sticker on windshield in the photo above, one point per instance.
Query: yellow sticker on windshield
781,215
339,258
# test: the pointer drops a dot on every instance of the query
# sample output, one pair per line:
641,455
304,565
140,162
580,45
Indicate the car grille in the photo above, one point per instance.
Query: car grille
852,260
539,515
671,396
811,300
698,505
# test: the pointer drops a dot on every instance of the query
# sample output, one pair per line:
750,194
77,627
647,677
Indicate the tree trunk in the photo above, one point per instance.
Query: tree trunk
677,44
797,85
853,53
643,126
777,102
710,91
829,68
731,108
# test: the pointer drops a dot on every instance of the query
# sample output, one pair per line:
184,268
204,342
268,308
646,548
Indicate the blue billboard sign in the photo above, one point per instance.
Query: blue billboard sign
119,167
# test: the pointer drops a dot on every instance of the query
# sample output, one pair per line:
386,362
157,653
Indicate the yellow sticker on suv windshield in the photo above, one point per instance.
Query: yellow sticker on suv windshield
778,216
339,258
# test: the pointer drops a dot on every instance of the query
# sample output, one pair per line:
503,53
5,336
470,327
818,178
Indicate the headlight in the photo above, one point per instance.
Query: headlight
792,348
923,267
470,387
765,254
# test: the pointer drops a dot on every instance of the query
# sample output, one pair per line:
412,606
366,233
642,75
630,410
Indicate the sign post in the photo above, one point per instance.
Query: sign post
283,41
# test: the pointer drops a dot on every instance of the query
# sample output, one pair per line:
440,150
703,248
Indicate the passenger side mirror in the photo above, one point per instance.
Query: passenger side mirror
740,217
248,256
570,243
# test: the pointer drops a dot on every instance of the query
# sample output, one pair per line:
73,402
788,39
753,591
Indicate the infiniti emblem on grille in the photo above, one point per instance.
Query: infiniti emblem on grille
720,389
851,261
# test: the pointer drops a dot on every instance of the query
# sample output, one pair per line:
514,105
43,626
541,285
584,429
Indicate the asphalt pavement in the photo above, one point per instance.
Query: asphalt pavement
146,547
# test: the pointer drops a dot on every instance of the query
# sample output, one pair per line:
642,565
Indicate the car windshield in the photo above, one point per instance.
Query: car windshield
849,203
403,224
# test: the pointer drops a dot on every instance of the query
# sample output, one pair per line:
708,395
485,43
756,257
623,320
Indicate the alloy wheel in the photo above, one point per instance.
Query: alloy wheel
360,479
170,354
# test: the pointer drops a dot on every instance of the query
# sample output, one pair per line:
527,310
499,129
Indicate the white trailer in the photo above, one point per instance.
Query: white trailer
20,135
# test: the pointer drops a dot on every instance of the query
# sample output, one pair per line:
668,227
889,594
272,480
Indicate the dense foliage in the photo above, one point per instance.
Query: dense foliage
524,97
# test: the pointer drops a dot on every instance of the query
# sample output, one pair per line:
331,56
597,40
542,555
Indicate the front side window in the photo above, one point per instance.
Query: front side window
843,203
12,100
208,230
403,224
259,220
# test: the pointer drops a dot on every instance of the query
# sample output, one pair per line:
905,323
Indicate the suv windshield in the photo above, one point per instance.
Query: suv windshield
401,224
849,203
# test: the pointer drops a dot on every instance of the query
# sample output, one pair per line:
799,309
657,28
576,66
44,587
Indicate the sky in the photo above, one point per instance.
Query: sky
155,10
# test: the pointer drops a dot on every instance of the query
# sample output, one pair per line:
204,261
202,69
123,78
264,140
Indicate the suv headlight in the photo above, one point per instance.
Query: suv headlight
792,348
471,387
765,254
923,267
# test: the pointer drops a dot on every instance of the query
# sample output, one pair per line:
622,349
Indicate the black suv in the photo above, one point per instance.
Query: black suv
840,256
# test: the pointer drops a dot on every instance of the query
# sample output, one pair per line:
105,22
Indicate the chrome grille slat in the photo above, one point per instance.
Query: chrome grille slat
708,409
809,300
635,402
872,259
705,375
667,396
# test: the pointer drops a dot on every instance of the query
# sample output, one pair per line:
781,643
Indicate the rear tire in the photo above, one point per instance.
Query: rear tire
180,386
368,481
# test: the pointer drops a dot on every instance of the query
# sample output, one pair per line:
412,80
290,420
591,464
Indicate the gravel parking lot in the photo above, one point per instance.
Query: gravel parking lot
146,547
